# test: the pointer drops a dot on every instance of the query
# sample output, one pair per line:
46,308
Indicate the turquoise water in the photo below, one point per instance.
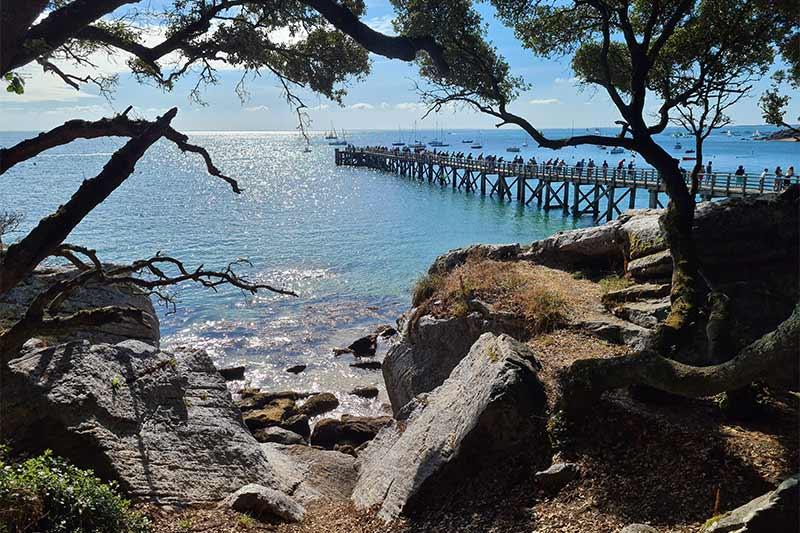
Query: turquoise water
349,241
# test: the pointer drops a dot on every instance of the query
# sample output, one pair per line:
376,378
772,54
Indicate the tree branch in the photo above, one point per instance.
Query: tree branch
22,257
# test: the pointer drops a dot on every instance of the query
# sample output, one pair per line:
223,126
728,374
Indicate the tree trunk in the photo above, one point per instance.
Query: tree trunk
677,227
771,359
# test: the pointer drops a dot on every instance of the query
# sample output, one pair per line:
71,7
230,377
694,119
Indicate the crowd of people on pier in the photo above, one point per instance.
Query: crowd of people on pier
559,167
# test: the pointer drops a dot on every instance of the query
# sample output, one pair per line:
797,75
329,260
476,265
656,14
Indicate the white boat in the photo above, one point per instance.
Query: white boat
339,142
678,146
399,141
597,131
467,141
617,150
512,149
756,133
331,134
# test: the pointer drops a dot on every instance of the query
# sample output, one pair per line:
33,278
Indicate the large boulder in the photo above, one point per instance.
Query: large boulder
312,473
641,233
161,423
428,351
593,246
778,510
490,405
14,302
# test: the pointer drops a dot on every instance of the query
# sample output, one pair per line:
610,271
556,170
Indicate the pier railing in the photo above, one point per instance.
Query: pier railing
550,184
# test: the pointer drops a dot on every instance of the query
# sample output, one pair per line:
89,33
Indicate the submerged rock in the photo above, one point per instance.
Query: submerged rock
161,423
365,346
487,406
365,392
296,369
367,365
264,502
318,404
234,373
350,431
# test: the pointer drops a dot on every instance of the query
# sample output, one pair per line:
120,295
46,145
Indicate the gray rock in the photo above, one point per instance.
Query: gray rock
263,502
642,233
457,257
422,360
318,404
14,302
352,431
646,314
365,392
614,330
778,510
636,292
313,474
638,528
234,373
278,435
558,475
487,406
586,246
651,267
161,423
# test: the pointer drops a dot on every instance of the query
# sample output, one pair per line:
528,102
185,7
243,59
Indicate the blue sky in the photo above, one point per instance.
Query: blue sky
386,100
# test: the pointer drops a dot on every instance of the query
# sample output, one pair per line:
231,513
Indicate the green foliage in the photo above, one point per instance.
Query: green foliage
15,83
245,521
116,382
614,283
46,493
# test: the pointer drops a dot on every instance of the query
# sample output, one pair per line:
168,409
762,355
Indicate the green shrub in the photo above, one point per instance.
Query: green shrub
46,493
614,283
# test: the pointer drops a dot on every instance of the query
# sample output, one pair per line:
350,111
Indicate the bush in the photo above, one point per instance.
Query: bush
614,283
46,493
425,287
544,309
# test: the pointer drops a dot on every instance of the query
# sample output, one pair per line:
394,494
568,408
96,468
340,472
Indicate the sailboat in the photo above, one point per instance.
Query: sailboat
398,142
418,145
339,142
331,134
438,142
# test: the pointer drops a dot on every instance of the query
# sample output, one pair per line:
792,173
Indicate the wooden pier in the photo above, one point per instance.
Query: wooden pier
574,190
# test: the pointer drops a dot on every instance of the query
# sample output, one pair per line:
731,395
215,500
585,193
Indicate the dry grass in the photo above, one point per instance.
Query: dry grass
614,283
546,298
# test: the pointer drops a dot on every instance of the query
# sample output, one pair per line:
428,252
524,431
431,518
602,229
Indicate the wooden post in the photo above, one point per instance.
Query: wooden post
596,201
521,189
576,191
483,183
653,203
565,203
610,195
632,199
547,194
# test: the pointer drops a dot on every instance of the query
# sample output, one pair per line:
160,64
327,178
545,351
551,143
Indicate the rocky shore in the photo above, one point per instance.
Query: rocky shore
473,442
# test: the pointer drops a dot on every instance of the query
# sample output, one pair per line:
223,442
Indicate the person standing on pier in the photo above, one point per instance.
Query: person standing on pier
605,168
778,179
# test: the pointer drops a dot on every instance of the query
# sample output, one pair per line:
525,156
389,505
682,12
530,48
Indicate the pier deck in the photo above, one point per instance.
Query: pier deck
575,190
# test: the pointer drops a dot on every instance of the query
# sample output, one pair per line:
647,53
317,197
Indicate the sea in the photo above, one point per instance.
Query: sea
351,242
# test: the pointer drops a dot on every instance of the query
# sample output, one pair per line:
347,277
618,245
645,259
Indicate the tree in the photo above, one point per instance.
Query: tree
694,58
329,46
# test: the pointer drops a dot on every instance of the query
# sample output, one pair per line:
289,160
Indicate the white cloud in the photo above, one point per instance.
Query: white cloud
382,24
410,106
362,105
544,101
257,108
563,81
385,105
320,107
